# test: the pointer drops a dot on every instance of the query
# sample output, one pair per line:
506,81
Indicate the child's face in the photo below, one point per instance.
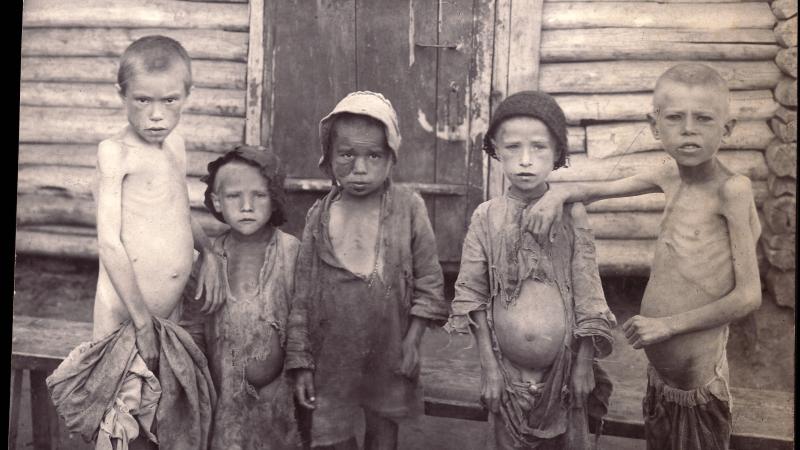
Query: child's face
360,159
527,150
154,101
690,122
242,196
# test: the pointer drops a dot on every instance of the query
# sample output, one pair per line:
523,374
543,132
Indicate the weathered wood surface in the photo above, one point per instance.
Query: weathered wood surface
781,284
638,76
781,158
255,74
745,105
786,59
582,168
780,250
603,141
653,1
780,214
133,14
222,102
212,74
786,91
786,32
656,15
762,419
784,124
199,43
784,9
90,126
781,185
597,44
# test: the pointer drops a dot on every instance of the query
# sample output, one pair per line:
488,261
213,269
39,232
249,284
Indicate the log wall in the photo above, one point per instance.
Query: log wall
68,104
601,60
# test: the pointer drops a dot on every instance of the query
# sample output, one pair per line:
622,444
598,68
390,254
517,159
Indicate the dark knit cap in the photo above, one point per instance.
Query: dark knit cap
531,104
270,167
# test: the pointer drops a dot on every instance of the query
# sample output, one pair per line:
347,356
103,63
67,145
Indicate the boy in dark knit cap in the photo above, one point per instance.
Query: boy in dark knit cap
537,308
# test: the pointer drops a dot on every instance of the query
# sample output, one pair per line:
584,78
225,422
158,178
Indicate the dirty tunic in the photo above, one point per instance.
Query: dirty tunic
496,258
104,391
348,328
246,418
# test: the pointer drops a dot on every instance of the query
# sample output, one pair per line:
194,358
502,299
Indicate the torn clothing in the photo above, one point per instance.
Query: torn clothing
239,332
348,327
696,419
497,257
104,392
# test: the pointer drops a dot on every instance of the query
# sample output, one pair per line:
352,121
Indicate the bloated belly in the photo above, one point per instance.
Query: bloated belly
269,368
531,332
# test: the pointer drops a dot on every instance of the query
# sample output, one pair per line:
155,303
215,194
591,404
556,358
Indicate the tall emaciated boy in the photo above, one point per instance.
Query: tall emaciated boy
536,308
367,282
704,274
145,236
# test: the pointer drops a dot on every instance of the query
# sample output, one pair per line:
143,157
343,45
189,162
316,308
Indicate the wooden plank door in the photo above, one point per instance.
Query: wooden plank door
430,58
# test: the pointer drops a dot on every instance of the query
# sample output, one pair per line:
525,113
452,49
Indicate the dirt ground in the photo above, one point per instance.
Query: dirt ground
760,350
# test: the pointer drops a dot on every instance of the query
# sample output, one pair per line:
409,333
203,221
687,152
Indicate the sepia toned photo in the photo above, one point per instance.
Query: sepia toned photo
405,225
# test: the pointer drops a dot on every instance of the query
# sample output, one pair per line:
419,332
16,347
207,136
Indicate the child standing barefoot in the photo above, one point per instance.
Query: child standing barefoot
245,339
368,281
537,308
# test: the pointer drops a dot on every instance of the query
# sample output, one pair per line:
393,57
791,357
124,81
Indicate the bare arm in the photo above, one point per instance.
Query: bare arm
738,211
540,216
112,253
492,383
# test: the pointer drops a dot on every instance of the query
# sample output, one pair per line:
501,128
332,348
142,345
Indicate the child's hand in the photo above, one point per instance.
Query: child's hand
543,217
147,346
211,281
492,387
409,367
642,331
582,382
304,388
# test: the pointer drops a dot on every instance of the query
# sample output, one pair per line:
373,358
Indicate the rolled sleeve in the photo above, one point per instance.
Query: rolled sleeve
427,300
472,292
592,317
298,340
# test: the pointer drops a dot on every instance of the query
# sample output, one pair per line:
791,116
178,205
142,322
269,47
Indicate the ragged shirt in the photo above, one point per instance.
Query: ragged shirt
96,386
239,332
498,255
349,328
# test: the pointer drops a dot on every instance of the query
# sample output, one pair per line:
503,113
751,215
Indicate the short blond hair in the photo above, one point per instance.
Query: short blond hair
691,74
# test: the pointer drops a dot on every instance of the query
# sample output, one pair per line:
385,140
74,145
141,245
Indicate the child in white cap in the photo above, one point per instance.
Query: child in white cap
367,282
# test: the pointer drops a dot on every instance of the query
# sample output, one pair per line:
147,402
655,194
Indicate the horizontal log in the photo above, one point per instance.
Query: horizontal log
640,76
56,245
784,124
199,43
781,185
656,15
222,102
786,59
784,9
603,141
651,202
597,44
37,209
211,74
781,284
781,158
786,32
653,1
625,225
745,105
786,91
749,163
780,214
618,257
780,250
134,14
90,126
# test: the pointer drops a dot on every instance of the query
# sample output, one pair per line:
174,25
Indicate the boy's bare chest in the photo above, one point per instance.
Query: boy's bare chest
355,238
152,177
692,213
